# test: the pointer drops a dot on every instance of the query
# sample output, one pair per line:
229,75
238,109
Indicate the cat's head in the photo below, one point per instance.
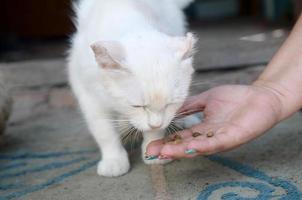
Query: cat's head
148,79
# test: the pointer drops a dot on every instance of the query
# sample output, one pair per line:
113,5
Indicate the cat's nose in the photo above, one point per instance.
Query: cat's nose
155,120
155,126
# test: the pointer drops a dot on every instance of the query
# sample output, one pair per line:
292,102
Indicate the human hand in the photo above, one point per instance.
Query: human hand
235,114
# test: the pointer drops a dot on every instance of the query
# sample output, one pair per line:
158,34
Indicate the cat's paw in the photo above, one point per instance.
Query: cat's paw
157,161
113,167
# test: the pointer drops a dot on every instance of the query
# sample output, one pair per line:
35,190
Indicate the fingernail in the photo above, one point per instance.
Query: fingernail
151,157
164,157
190,151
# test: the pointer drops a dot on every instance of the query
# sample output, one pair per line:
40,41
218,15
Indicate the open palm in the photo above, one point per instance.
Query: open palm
235,114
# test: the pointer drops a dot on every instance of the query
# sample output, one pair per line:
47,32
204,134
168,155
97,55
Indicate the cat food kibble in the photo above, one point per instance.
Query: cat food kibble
176,139
196,134
210,134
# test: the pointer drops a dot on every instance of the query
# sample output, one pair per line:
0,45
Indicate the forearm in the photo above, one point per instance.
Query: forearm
284,73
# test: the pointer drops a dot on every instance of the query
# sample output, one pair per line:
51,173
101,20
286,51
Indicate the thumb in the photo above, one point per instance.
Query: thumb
194,104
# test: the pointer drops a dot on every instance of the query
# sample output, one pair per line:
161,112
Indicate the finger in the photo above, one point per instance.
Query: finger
194,104
207,146
175,150
154,148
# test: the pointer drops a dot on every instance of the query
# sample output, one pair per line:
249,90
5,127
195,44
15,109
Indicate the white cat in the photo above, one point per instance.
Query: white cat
130,62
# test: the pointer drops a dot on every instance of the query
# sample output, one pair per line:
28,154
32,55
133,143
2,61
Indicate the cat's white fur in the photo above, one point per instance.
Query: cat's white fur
125,54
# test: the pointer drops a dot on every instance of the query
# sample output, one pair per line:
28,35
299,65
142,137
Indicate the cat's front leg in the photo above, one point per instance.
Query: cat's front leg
149,137
115,161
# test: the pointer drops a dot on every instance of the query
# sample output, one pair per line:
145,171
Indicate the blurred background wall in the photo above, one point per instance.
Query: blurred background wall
28,21
269,10
36,18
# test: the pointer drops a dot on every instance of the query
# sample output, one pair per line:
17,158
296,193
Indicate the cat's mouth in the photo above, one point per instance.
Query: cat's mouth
149,128
171,127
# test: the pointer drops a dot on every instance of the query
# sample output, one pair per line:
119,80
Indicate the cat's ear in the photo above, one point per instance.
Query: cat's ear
108,54
185,46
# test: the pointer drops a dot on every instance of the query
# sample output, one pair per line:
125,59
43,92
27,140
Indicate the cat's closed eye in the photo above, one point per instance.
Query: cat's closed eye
145,107
139,106
170,104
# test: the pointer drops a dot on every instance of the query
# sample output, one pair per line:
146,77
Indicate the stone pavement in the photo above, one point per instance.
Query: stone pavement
48,153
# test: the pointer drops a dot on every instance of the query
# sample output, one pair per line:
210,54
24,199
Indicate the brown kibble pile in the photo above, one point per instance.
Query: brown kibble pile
176,139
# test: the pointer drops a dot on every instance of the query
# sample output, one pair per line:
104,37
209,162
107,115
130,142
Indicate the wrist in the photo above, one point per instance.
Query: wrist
284,100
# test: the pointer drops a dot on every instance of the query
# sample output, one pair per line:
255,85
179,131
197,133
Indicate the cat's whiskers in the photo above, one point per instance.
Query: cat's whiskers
124,128
119,124
137,137
176,127
131,137
208,81
126,133
200,83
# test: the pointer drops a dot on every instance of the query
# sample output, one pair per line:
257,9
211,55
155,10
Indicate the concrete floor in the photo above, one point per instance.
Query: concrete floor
49,154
